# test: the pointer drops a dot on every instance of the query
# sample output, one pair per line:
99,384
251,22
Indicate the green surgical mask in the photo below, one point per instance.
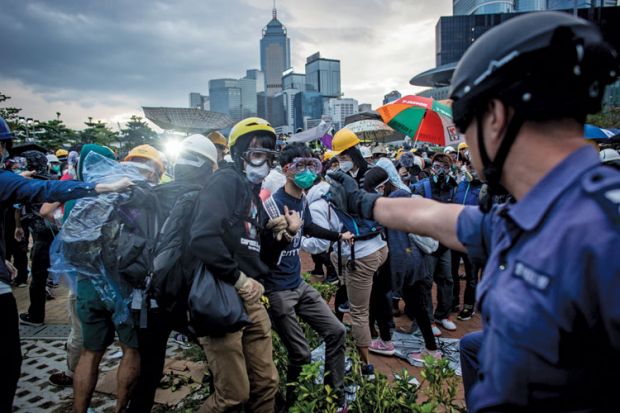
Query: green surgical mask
305,179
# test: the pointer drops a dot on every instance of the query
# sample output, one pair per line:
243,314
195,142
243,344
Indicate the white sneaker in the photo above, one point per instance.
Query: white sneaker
436,330
448,324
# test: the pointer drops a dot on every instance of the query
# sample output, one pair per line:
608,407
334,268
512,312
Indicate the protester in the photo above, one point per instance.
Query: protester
43,233
362,259
289,296
73,346
548,297
440,187
194,166
227,232
148,161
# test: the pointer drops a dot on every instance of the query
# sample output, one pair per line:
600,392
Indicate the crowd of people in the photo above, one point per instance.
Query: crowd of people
385,223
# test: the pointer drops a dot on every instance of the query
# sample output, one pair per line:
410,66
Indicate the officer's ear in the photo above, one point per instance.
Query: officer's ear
495,122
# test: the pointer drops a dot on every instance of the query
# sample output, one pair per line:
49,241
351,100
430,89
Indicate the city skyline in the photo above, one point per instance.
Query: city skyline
154,53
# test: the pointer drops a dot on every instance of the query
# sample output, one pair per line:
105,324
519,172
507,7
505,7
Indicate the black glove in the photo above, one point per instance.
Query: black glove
359,202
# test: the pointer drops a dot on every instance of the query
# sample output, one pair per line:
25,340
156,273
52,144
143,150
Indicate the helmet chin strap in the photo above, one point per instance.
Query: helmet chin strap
493,169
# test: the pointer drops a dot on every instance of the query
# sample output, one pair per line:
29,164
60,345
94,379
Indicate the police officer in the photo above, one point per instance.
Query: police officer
16,189
549,296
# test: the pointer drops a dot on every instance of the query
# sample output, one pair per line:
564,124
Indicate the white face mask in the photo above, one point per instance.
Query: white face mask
256,174
346,166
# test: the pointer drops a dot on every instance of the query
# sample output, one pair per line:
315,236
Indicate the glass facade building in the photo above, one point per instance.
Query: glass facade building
466,7
292,80
307,105
236,98
323,75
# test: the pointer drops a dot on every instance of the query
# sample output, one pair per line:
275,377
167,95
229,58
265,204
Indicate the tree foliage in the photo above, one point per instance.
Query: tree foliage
137,132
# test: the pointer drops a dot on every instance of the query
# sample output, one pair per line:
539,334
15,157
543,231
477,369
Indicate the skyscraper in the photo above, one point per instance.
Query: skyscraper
468,7
234,97
292,80
257,75
323,75
275,54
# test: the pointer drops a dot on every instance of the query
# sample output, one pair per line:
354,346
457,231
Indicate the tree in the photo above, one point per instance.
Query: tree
56,134
137,133
99,133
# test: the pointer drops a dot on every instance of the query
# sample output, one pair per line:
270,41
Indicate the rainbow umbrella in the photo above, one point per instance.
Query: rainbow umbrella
424,119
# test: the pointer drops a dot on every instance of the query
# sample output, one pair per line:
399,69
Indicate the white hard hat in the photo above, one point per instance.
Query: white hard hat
608,155
197,144
52,158
449,149
366,153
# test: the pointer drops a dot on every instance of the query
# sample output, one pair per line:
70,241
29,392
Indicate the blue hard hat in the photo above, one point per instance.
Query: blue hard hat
5,131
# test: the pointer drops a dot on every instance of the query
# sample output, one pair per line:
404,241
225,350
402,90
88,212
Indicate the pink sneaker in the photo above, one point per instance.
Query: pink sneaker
417,357
384,348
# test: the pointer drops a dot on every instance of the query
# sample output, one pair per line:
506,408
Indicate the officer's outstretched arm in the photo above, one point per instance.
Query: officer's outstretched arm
415,215
421,216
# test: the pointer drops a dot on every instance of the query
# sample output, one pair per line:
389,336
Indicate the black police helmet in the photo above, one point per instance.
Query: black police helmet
546,65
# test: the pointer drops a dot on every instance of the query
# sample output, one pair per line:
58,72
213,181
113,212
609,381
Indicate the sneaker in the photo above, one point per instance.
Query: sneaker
331,279
455,308
417,357
344,308
20,284
343,409
385,348
436,330
24,318
368,371
317,272
61,379
447,324
181,340
48,294
466,314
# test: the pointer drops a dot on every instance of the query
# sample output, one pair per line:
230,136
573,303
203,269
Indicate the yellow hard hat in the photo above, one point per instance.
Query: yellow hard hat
344,139
328,155
218,139
249,126
462,145
146,152
62,153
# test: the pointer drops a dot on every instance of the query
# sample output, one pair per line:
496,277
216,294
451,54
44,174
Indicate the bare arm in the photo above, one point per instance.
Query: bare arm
48,208
421,216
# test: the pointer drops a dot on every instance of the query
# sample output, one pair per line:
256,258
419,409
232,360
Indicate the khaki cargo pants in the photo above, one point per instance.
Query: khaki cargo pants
244,374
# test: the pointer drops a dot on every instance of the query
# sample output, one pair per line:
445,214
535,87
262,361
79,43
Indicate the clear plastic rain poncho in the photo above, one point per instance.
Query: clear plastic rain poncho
88,243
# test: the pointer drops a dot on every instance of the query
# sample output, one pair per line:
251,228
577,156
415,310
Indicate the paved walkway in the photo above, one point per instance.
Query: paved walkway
44,353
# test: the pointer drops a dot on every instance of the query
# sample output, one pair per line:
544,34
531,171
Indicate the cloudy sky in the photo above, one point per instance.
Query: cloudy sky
106,59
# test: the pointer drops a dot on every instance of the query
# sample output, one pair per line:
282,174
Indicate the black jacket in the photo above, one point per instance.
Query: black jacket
228,228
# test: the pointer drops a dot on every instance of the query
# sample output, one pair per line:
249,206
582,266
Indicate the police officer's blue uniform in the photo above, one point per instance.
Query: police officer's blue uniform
550,295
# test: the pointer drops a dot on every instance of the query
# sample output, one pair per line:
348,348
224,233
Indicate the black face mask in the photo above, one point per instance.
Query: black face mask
191,174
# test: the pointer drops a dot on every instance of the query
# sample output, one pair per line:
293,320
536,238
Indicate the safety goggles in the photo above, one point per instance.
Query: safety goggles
439,167
302,164
259,156
381,187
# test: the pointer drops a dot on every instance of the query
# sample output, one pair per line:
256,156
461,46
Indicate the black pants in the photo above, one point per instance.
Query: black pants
40,256
322,260
152,342
415,307
16,250
341,298
10,351
380,310
471,279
